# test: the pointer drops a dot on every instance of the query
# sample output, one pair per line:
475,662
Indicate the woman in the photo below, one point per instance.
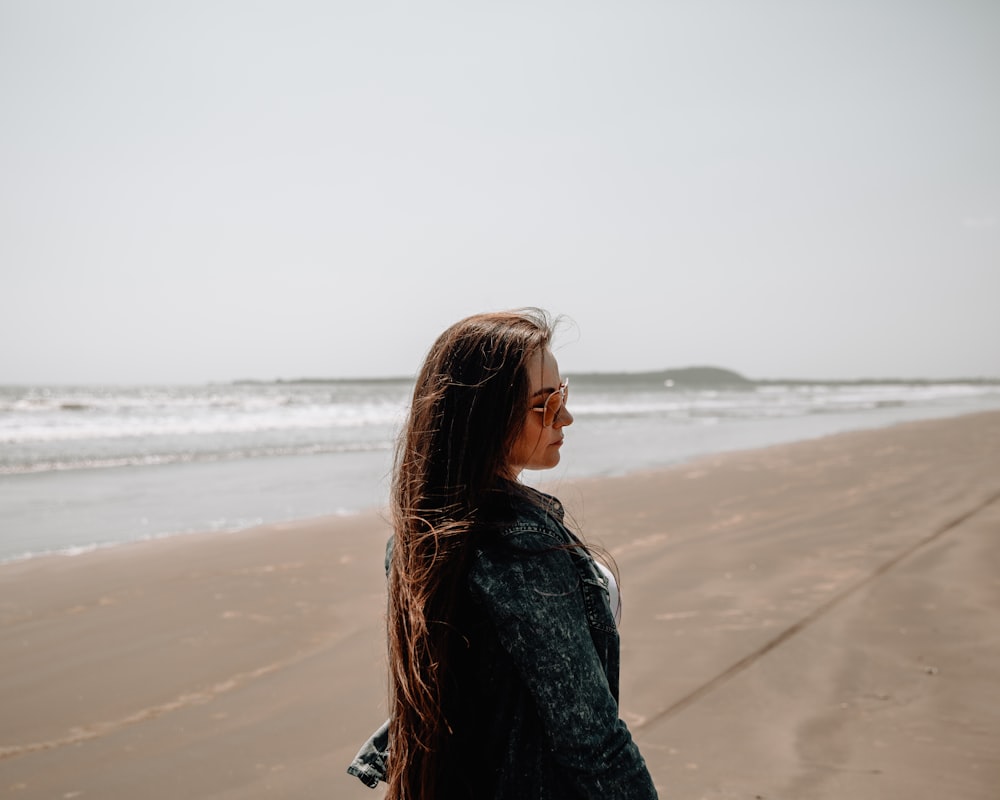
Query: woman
503,648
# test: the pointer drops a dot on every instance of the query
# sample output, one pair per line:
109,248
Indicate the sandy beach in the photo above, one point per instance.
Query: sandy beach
812,620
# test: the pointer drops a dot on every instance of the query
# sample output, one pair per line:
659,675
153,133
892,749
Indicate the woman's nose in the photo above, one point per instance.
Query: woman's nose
563,418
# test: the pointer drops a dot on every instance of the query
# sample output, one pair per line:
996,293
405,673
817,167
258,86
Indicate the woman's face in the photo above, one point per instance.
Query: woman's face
538,447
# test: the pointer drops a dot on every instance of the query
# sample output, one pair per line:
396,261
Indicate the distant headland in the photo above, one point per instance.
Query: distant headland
697,377
708,377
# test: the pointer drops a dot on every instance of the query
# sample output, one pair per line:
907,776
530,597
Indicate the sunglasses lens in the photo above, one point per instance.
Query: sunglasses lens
553,405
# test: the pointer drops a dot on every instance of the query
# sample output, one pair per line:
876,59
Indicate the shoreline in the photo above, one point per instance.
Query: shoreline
810,620
362,480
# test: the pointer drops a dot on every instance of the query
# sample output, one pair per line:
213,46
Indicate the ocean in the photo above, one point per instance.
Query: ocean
93,466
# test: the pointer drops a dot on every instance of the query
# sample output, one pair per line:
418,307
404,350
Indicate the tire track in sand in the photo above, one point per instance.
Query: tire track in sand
95,730
820,611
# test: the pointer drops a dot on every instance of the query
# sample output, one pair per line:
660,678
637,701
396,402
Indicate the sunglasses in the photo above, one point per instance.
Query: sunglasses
553,404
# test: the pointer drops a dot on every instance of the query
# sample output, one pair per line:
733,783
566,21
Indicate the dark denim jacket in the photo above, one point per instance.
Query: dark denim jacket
538,714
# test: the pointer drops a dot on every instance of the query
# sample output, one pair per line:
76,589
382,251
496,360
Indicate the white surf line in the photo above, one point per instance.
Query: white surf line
97,729
735,669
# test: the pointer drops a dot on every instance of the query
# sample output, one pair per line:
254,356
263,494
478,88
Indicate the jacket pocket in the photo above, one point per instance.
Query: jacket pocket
597,599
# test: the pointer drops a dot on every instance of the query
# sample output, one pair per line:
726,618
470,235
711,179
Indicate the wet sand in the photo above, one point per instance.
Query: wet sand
814,620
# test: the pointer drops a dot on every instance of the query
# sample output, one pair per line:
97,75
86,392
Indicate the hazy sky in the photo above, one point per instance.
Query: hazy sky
206,190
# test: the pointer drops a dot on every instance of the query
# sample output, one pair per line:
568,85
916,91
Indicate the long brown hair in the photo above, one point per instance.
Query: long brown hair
468,409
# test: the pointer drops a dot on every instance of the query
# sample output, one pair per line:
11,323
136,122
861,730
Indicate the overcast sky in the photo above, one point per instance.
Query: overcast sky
199,191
